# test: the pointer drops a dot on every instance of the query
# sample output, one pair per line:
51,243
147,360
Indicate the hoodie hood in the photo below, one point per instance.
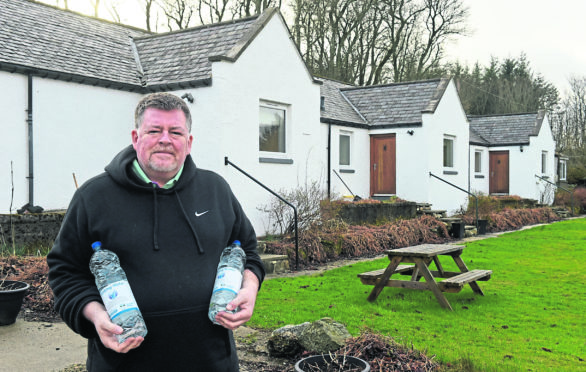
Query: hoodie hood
120,171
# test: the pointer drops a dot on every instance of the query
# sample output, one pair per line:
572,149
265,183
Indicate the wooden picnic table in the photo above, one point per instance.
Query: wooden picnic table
421,256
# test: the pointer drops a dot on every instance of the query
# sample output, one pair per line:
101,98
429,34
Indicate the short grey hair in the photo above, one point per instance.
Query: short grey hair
162,101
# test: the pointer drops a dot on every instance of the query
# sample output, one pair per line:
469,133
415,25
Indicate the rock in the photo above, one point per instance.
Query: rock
321,336
324,335
283,344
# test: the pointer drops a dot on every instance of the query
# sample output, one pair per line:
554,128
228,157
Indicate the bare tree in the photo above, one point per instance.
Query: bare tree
372,42
179,13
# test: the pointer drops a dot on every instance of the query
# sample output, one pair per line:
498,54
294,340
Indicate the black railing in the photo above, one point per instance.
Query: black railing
228,162
461,189
559,187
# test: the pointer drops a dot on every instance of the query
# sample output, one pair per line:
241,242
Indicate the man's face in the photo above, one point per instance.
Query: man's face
162,143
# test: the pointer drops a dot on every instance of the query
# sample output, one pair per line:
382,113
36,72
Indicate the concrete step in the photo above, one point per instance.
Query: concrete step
275,263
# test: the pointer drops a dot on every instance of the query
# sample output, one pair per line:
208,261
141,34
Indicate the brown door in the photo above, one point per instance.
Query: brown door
499,172
382,165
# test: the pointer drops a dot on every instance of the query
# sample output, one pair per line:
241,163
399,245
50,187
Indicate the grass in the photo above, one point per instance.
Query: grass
531,317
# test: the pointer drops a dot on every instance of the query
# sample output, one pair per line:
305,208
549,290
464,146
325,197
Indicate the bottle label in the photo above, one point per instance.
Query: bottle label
229,279
118,298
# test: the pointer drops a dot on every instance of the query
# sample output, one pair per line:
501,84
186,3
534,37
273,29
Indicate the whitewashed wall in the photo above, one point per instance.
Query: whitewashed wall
479,181
76,129
526,184
449,119
226,120
359,181
13,104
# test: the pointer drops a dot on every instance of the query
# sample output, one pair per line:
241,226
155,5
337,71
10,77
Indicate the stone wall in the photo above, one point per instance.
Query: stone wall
376,213
30,229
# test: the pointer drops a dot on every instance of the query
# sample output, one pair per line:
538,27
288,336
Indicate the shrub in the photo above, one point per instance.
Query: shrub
513,219
306,198
322,243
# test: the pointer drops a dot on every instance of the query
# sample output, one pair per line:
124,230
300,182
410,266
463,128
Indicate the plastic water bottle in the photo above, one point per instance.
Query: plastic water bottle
228,279
116,293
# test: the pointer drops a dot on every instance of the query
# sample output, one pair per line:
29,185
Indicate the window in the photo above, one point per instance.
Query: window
449,152
271,135
544,162
344,148
562,171
477,161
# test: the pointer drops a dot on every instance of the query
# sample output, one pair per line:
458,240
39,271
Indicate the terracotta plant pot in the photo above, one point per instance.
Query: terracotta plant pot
326,363
11,296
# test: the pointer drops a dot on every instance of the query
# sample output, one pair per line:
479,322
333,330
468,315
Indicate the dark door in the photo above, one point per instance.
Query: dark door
382,165
499,172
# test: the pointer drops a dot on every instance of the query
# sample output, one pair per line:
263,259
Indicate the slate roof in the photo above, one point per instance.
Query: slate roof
52,42
337,108
505,130
399,104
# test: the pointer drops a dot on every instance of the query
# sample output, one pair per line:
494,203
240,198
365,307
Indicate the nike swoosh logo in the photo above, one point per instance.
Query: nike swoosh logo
201,214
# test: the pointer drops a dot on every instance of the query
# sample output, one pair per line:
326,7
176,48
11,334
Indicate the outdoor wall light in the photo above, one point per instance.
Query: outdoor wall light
189,97
412,131
521,148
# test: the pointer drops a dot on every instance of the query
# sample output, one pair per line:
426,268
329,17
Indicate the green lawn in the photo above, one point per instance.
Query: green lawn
532,317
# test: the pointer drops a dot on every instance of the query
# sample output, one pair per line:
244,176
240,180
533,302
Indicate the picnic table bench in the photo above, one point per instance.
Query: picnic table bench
421,256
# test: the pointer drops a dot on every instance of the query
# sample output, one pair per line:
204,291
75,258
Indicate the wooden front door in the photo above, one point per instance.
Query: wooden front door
382,165
499,172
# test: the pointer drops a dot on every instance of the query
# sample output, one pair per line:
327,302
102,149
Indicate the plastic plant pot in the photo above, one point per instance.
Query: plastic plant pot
323,361
11,297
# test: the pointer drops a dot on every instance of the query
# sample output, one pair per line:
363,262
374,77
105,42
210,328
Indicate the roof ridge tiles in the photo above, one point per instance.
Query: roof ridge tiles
202,27
394,84
499,115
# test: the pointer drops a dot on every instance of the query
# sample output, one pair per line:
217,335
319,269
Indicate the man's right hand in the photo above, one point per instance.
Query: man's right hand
96,313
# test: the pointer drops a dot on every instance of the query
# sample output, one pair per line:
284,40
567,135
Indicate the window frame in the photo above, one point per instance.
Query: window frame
450,161
349,135
286,141
543,162
563,170
478,165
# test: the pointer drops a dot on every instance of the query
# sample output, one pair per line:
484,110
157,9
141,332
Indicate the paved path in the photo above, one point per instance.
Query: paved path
39,347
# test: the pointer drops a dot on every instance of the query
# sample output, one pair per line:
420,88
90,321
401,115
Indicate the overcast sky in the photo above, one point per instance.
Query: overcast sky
552,34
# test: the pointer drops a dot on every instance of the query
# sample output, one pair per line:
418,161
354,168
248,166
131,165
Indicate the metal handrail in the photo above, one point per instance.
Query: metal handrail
559,187
461,189
226,162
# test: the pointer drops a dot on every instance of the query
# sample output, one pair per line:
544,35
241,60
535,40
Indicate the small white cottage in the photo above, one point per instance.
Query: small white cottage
513,155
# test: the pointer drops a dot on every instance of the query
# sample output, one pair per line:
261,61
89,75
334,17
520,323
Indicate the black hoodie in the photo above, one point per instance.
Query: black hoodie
169,243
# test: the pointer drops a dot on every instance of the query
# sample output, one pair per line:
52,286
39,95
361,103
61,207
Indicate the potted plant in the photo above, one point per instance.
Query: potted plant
331,362
11,296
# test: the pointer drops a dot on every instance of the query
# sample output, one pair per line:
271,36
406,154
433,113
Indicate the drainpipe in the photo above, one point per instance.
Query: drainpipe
29,121
329,159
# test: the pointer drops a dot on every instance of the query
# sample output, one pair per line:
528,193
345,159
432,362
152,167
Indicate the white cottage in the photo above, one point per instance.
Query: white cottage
513,155
80,78
398,139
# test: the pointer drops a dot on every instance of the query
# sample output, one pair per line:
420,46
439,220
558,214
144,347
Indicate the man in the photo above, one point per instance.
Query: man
168,221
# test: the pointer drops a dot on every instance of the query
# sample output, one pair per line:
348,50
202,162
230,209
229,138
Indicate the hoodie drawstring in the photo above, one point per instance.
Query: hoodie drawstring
156,220
199,247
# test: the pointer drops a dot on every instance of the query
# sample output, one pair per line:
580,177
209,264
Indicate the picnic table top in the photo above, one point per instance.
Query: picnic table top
425,250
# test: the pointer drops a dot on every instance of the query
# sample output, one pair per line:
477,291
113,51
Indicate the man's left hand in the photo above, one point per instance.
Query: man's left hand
244,301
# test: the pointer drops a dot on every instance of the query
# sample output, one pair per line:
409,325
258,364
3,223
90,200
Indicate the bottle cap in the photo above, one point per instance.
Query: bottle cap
236,242
96,245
